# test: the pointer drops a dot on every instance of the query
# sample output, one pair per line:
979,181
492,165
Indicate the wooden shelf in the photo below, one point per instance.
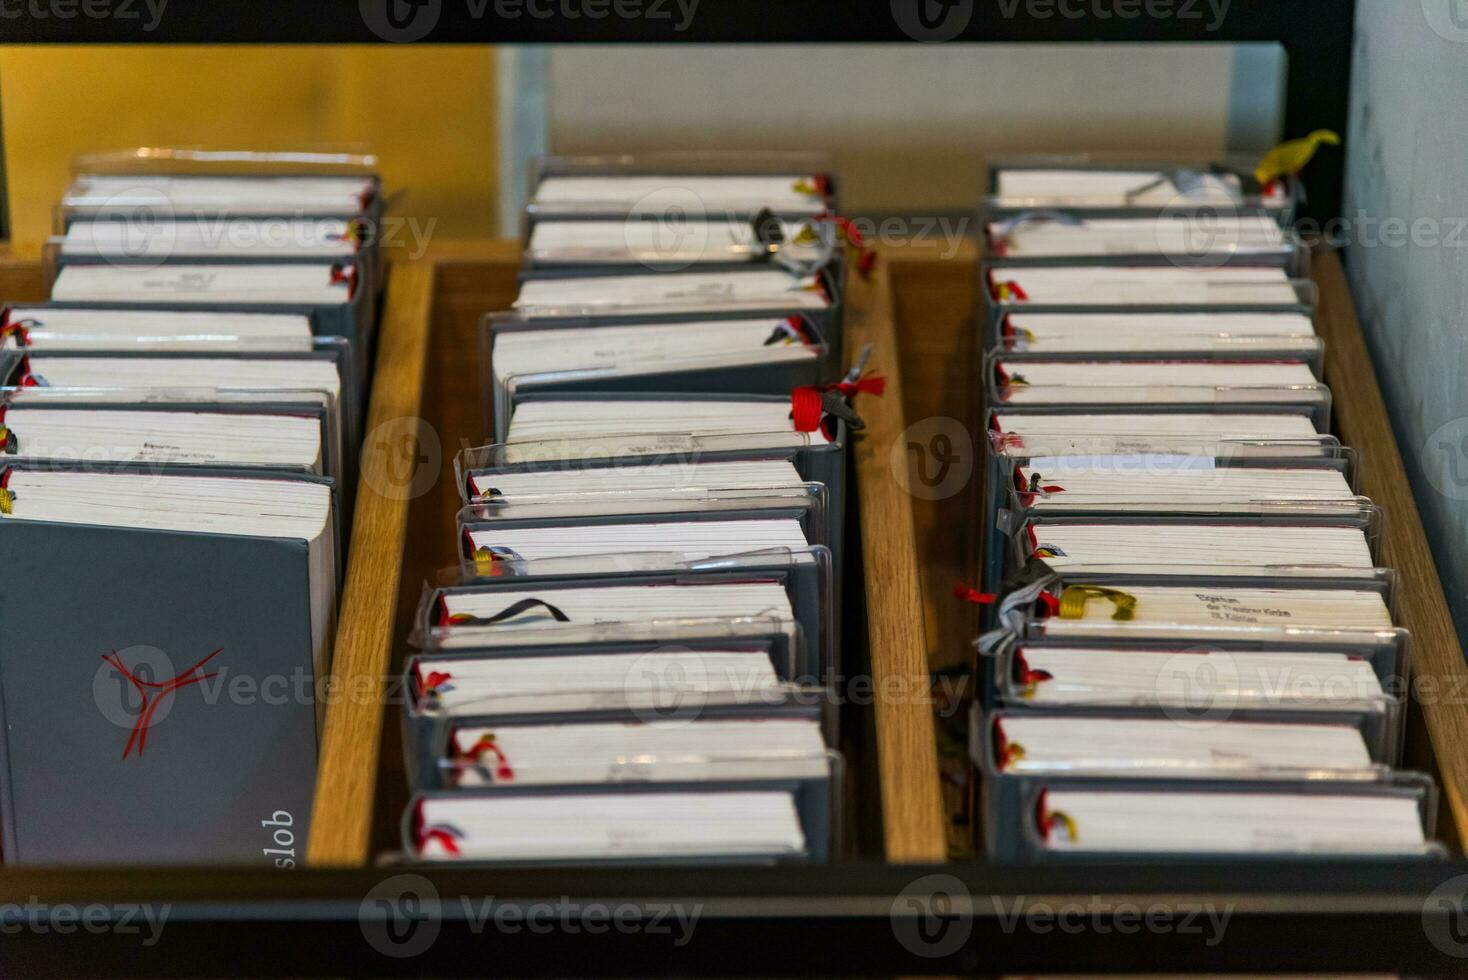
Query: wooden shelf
361,789
917,314
934,302
346,778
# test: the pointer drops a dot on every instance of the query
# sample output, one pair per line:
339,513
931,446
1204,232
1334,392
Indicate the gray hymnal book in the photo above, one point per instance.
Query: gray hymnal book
157,692
157,686
333,295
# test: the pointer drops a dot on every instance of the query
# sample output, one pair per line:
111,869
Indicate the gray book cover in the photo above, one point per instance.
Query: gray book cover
157,693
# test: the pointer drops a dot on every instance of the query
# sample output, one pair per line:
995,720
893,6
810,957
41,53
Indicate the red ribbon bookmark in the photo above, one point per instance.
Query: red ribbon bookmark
806,403
488,745
970,594
444,836
154,694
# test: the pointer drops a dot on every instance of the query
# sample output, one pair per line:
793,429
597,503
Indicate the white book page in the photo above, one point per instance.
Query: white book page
671,292
643,348
767,424
654,751
1233,823
467,613
1199,680
693,540
654,194
51,328
40,395
732,475
300,283
273,508
1120,479
1146,286
1098,373
1170,611
1214,425
661,239
1056,187
328,238
1036,382
1263,346
613,825
1163,747
1051,326
1074,546
1143,332
630,445
173,373
591,682
123,194
1180,433
1184,235
117,435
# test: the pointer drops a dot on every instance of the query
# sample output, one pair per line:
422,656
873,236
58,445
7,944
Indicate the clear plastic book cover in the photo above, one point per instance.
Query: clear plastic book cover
1204,684
1004,291
1153,185
998,751
787,340
529,614
142,182
816,800
1120,603
550,455
1201,236
678,240
31,333
690,293
491,507
718,668
1027,529
117,239
473,751
1041,824
1078,442
266,400
1140,331
810,187
1221,346
1033,670
1031,478
1010,390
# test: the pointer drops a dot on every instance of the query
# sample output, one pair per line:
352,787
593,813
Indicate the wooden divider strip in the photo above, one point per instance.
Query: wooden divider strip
912,802
346,779
1361,419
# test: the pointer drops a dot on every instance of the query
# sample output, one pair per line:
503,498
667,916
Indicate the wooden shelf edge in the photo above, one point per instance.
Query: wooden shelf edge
912,800
1362,420
346,779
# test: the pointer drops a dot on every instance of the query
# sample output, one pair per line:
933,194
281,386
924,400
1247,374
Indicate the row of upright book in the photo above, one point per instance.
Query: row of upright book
180,423
633,659
1188,646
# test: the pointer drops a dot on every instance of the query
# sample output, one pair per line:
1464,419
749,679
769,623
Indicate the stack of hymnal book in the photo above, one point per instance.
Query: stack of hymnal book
180,422
1188,645
632,661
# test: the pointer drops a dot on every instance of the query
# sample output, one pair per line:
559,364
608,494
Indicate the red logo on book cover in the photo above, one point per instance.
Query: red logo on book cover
153,695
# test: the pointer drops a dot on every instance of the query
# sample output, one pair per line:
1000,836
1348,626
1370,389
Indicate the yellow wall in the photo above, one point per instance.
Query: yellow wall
427,111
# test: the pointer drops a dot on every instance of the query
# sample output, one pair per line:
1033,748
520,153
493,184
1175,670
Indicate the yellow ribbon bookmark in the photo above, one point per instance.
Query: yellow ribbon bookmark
485,563
1291,156
1065,820
1073,599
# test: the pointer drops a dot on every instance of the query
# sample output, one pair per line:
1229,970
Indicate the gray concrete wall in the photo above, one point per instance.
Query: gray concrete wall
910,125
1407,204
